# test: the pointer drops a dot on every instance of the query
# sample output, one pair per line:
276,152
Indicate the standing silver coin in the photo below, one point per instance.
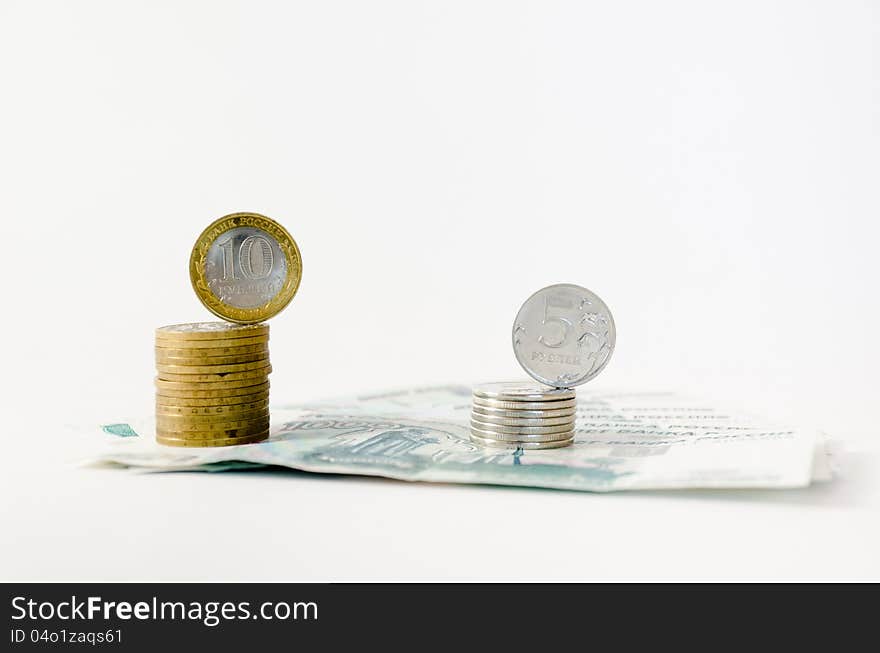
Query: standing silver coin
563,335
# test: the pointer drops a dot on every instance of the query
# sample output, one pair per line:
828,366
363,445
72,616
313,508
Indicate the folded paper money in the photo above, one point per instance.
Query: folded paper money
623,441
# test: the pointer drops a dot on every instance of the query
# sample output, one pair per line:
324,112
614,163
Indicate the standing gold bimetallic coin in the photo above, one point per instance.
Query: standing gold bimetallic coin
212,352
213,369
211,331
214,360
172,441
245,267
211,402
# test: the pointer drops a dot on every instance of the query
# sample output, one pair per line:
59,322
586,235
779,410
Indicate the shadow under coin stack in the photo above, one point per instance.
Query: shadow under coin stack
522,416
212,384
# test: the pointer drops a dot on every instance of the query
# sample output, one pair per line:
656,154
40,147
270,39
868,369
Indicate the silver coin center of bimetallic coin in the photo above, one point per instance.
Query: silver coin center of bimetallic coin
245,267
563,335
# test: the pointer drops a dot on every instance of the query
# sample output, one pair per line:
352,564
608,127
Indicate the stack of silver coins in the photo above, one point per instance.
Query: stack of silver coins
523,415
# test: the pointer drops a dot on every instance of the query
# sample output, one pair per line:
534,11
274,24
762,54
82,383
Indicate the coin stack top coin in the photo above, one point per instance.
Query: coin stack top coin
212,384
522,415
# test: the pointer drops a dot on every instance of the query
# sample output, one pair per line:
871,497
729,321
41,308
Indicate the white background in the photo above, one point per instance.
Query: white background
709,169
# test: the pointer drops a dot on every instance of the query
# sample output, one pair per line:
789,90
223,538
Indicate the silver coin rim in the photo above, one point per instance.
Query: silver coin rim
505,413
522,405
522,422
539,437
550,394
506,444
520,430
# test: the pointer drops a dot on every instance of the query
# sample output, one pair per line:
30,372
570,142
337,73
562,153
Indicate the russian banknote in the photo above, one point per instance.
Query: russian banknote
624,441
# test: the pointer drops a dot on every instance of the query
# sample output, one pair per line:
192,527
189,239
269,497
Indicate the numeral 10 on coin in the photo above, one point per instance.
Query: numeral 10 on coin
254,260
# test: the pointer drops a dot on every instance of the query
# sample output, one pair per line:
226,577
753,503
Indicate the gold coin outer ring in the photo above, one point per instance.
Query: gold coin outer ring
200,253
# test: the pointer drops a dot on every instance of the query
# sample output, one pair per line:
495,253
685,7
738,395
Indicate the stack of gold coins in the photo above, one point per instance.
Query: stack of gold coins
212,384
523,416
